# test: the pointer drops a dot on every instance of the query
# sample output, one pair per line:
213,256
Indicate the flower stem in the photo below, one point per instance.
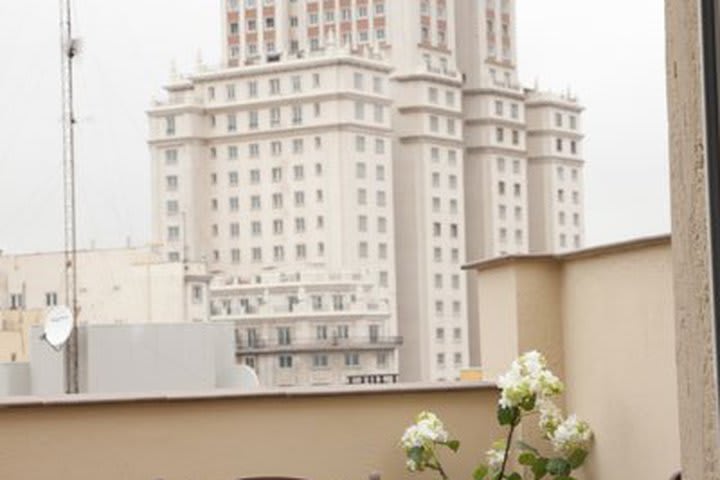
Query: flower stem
507,451
439,468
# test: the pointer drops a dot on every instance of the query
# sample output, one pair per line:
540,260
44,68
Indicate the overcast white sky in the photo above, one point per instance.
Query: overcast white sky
611,53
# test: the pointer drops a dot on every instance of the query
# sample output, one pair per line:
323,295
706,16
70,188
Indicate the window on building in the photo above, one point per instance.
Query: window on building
17,301
285,361
51,299
232,123
253,150
378,86
298,172
320,360
297,114
171,157
300,225
274,86
440,360
299,199
298,145
278,227
380,173
382,225
360,144
381,198
170,125
363,250
359,110
253,120
172,207
171,183
358,81
352,359
275,117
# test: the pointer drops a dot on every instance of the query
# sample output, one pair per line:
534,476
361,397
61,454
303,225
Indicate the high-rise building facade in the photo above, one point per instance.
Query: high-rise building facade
386,136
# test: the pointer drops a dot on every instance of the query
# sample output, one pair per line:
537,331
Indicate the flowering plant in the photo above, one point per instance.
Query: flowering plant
526,389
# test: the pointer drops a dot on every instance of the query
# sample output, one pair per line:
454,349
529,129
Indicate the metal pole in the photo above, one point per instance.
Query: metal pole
68,52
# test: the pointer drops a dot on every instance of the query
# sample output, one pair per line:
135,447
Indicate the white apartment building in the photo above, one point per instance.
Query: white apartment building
309,327
115,286
367,135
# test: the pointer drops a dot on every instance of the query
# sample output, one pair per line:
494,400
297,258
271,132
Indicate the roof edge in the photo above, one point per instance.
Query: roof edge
616,247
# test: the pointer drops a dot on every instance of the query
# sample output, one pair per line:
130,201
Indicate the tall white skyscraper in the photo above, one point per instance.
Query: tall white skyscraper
390,137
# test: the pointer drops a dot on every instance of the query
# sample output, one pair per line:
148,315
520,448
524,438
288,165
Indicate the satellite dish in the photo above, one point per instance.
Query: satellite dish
58,326
248,378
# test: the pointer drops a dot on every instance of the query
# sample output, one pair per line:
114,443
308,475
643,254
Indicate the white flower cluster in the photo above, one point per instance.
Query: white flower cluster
428,429
495,458
550,417
528,379
571,435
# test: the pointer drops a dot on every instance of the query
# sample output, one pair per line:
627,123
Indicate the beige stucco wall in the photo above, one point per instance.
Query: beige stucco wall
605,319
332,436
697,386
619,345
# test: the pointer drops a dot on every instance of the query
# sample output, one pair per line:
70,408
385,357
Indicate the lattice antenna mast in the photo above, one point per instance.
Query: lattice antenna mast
69,46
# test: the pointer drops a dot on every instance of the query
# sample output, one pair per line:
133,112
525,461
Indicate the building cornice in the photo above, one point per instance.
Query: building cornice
433,109
277,132
553,159
516,95
434,139
493,121
174,109
286,66
553,103
181,139
497,150
294,100
555,132
428,77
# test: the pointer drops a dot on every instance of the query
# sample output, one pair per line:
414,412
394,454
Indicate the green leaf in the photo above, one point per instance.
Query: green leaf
528,404
525,447
453,445
577,458
559,466
514,476
508,415
416,455
528,459
481,472
539,469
